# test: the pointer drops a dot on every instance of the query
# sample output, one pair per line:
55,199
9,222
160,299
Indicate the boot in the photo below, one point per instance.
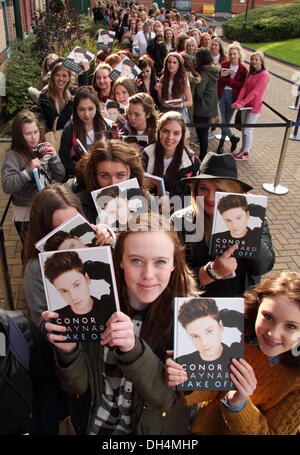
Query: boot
220,148
234,142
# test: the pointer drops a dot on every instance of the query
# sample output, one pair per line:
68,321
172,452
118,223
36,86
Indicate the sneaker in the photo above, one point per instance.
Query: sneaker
242,156
211,135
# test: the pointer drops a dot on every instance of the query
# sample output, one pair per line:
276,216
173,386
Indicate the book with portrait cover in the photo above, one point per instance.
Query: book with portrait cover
116,204
105,40
76,232
238,220
140,141
75,59
208,333
125,68
80,286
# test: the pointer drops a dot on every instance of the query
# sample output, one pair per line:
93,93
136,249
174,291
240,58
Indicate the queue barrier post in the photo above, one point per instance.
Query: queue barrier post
296,105
295,136
4,273
275,187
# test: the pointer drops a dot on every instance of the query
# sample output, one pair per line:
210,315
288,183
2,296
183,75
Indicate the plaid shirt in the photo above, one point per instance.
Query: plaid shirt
114,413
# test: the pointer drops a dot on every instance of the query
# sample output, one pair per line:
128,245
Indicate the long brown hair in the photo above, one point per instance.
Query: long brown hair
99,123
44,204
180,78
116,151
51,90
18,143
148,105
282,283
157,328
225,185
127,83
159,150
101,66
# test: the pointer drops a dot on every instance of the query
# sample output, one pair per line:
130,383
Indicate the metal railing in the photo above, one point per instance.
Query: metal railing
4,272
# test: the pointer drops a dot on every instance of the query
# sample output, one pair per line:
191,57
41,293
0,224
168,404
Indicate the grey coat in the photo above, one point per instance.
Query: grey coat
17,178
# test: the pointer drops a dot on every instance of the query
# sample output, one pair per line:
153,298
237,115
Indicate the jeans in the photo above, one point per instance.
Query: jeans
226,111
247,133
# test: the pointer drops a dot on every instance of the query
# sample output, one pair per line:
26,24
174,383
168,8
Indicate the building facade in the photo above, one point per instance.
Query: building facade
15,22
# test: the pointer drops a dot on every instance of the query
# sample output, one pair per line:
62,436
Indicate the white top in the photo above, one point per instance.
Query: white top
233,69
167,162
216,58
141,41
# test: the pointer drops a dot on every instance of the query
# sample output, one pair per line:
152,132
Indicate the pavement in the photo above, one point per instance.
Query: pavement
282,212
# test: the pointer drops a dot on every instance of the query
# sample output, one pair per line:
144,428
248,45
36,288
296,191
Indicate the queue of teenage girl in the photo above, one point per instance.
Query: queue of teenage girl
125,385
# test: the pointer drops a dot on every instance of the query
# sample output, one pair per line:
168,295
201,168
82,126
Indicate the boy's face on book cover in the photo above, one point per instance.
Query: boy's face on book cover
206,335
74,287
236,219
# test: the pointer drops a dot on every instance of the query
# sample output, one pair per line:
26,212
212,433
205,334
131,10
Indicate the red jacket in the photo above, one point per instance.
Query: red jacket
236,83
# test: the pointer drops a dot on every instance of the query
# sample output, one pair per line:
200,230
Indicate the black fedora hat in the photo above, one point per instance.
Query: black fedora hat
215,166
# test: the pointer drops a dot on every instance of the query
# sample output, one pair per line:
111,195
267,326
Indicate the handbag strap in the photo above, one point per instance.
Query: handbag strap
55,124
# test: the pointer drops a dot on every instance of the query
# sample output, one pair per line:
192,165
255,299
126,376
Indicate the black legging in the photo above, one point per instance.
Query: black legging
202,134
21,227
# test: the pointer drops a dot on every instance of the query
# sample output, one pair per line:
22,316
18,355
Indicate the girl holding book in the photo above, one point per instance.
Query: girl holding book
51,207
267,396
87,125
224,275
17,173
124,373
109,163
169,157
141,117
174,85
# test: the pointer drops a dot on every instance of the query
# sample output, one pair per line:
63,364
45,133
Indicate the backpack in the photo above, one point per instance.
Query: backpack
16,393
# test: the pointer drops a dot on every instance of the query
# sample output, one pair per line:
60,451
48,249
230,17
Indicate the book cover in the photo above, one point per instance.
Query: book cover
116,204
208,333
125,68
114,111
76,232
238,220
140,142
37,179
105,40
157,184
80,286
75,59
176,100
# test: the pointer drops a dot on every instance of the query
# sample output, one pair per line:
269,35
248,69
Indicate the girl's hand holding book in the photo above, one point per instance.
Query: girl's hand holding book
119,332
225,264
55,332
174,373
35,162
103,235
243,377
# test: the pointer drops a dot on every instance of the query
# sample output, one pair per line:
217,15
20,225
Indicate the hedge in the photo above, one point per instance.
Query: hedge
270,23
